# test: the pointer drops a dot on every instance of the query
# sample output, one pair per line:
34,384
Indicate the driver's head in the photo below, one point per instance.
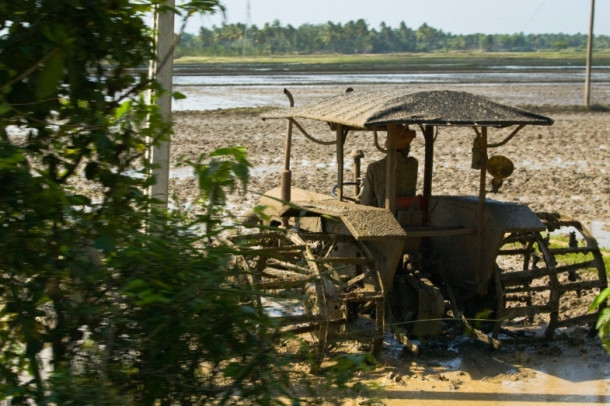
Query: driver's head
399,136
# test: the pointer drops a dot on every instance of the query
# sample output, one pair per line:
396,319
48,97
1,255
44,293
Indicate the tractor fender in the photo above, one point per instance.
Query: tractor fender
464,266
375,227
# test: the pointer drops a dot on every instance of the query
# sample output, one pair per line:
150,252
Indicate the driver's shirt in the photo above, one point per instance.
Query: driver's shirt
373,192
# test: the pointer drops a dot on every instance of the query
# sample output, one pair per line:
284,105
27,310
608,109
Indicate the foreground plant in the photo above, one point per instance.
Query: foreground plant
603,321
103,298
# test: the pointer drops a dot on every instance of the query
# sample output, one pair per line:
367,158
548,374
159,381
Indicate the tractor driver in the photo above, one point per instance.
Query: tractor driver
374,185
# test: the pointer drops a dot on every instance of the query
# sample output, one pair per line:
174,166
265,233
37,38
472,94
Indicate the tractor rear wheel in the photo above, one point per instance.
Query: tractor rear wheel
526,285
579,266
547,279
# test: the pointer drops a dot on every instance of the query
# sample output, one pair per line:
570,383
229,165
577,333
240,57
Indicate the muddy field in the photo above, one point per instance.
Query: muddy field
563,168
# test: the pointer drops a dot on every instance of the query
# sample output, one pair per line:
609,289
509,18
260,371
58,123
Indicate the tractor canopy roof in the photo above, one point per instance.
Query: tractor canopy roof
374,109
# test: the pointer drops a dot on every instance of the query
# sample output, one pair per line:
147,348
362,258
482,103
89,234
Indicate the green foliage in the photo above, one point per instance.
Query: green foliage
356,37
104,299
93,308
218,176
603,321
404,62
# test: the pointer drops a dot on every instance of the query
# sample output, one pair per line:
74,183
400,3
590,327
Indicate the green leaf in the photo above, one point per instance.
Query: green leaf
79,200
603,319
135,285
104,243
601,298
50,76
233,370
122,110
179,96
4,108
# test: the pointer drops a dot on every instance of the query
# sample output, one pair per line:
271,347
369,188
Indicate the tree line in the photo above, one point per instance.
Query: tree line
356,37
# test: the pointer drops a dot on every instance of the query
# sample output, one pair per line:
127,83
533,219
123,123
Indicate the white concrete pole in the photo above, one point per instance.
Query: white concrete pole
589,57
161,70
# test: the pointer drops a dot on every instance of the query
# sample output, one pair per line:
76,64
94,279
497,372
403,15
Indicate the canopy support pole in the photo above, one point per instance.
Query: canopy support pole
481,207
286,180
390,179
428,132
339,144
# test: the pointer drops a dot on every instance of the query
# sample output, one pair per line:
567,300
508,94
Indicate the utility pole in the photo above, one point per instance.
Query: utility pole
161,70
589,56
243,50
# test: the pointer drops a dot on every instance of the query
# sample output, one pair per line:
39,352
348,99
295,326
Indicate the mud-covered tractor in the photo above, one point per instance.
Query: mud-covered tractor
342,272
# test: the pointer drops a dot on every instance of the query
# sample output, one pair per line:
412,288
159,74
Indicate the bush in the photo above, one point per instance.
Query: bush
122,315
104,299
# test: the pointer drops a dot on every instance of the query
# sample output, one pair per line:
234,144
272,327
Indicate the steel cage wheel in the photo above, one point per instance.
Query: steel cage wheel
526,286
323,290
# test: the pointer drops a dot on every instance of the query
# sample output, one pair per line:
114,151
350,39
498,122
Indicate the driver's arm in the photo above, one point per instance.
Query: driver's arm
367,196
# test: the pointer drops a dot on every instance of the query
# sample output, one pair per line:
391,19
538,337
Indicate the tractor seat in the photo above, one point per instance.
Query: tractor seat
409,211
411,202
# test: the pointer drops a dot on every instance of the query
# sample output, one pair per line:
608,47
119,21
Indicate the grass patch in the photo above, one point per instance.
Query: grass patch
395,62
562,241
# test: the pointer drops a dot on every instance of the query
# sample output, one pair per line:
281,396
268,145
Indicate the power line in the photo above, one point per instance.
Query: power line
533,15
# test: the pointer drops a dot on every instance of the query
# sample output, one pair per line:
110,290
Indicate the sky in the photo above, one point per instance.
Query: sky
450,16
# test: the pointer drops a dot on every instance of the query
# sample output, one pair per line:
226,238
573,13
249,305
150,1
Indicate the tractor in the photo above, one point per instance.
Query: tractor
341,272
